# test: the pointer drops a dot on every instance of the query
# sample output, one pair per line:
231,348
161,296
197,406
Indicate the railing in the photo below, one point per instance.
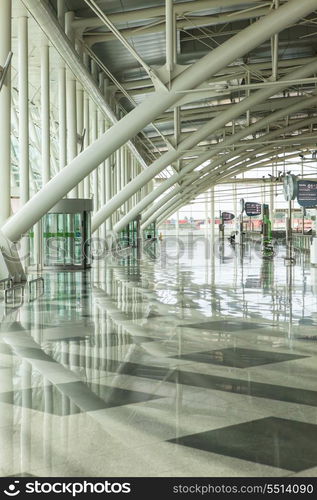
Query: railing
6,283
11,292
302,242
14,299
39,282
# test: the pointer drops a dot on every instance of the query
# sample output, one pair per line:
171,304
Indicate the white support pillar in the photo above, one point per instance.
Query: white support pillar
45,112
71,123
80,127
108,168
71,104
62,129
61,12
212,214
86,142
169,31
94,137
122,168
102,173
108,182
125,174
45,142
86,119
80,113
23,79
5,113
103,167
23,84
275,42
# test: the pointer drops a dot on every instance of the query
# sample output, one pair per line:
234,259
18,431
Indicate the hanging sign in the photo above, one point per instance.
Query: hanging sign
227,216
252,208
242,205
307,193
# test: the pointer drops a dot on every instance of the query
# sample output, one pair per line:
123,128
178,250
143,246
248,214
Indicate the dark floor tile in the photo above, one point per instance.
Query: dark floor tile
138,315
77,339
238,357
249,388
277,442
311,338
225,384
224,326
73,397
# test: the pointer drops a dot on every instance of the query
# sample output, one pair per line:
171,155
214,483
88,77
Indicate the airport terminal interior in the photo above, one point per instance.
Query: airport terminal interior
158,247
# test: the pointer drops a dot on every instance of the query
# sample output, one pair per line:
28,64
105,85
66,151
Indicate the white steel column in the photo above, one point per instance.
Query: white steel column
122,168
94,137
86,141
61,12
80,127
108,191
212,214
5,113
108,168
45,112
126,174
71,105
86,127
169,27
71,124
23,77
80,114
62,129
275,41
23,83
103,197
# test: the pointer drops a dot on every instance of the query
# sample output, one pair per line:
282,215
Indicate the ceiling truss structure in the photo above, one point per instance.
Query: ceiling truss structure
257,107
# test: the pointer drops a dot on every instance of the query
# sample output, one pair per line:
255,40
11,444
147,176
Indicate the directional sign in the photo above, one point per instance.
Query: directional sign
307,193
227,216
252,209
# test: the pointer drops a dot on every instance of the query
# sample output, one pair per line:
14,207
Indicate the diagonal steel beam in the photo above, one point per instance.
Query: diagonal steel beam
214,125
222,160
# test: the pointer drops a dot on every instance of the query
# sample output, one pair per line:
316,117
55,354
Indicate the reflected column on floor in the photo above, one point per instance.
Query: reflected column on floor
25,436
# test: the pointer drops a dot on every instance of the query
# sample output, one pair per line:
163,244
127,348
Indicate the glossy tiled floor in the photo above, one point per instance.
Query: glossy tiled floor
203,364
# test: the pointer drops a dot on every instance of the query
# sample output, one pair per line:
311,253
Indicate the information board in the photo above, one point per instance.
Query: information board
227,216
307,193
252,209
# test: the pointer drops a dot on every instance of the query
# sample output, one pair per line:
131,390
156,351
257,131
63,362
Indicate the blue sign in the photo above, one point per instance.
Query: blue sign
227,216
307,193
252,209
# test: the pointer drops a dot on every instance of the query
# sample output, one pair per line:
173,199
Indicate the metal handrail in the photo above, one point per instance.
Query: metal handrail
7,281
12,291
38,281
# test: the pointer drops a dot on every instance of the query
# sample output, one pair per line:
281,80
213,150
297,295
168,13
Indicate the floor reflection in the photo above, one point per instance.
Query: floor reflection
188,352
